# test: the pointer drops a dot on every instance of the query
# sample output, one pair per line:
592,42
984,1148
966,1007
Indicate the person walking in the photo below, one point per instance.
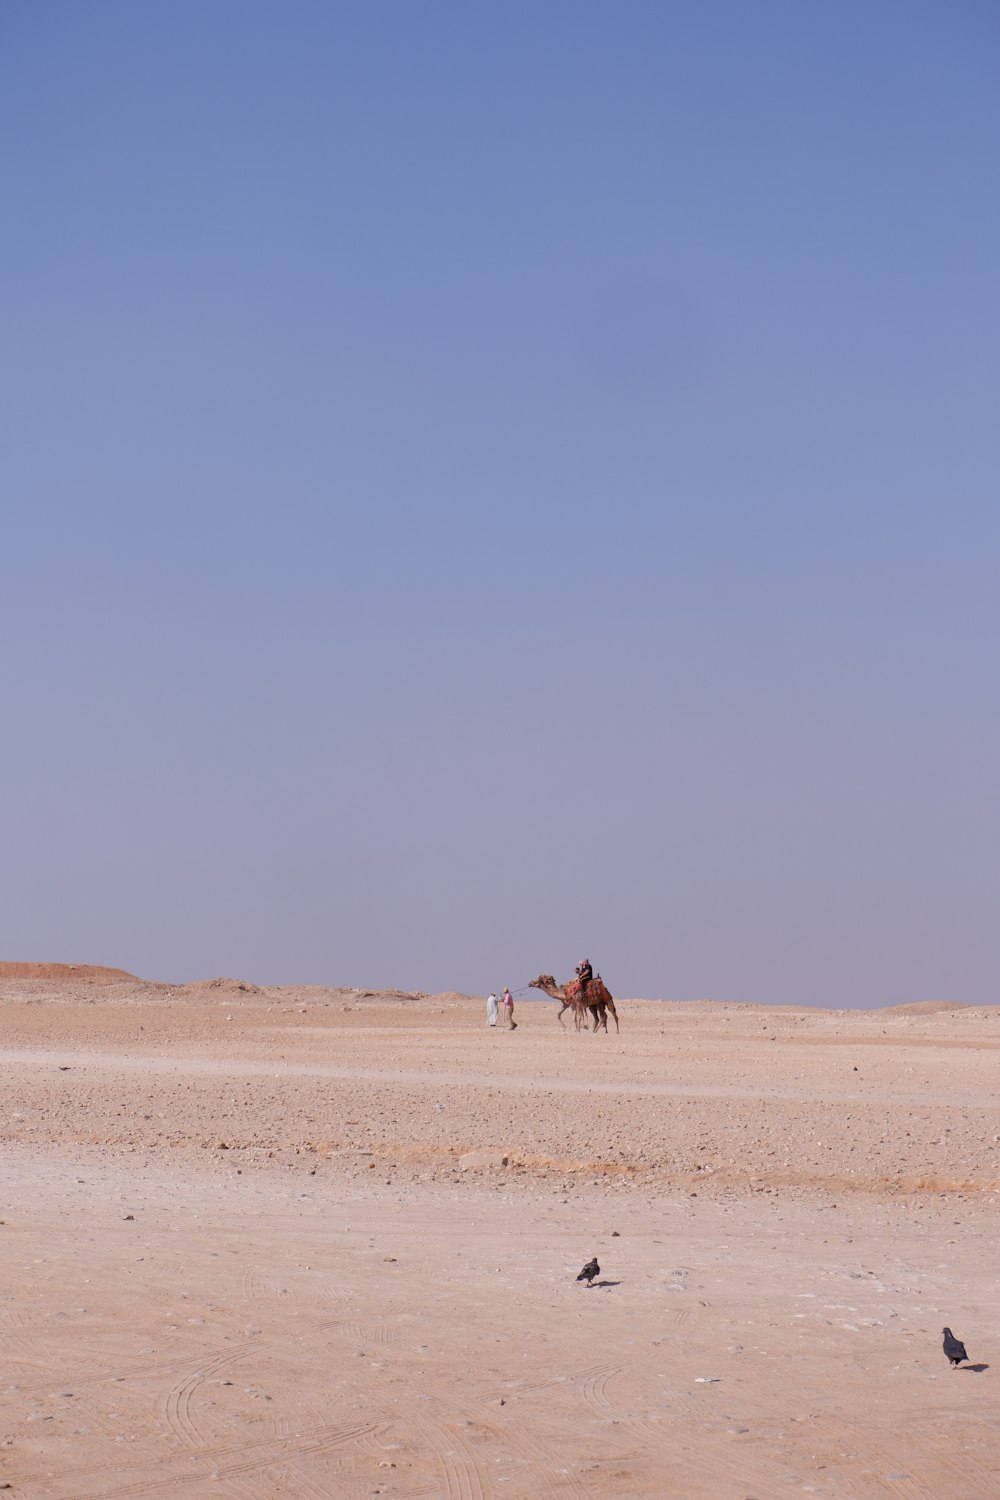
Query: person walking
492,1010
508,1006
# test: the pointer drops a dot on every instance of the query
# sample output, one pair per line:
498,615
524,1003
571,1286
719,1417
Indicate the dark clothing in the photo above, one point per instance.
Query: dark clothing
585,974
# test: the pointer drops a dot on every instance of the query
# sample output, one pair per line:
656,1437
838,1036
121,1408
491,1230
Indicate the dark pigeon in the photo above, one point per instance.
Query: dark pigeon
954,1348
590,1270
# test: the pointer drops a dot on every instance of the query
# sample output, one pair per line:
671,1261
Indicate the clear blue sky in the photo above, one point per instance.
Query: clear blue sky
485,485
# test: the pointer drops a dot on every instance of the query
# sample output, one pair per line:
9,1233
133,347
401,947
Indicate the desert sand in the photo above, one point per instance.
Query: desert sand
323,1243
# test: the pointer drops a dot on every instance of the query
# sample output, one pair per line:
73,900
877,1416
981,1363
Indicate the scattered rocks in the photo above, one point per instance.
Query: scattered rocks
478,1159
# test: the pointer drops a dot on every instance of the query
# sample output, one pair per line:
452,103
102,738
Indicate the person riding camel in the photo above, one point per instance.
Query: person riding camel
584,973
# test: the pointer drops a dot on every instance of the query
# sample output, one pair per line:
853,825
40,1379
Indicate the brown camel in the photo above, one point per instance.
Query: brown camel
599,1003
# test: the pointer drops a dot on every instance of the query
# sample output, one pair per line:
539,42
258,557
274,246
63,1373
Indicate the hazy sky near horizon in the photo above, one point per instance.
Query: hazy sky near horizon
491,484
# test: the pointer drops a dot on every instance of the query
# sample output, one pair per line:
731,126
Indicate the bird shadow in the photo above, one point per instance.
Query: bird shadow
606,1283
976,1369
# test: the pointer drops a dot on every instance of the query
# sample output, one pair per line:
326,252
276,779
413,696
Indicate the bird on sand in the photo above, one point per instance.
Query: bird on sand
590,1270
954,1348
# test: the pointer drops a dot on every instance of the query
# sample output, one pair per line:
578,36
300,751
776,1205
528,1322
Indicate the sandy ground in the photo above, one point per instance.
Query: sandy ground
242,1255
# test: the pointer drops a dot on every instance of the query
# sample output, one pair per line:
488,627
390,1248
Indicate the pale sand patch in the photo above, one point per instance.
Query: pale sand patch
310,1290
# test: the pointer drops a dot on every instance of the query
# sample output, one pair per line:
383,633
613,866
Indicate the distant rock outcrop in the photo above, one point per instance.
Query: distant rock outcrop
88,973
229,986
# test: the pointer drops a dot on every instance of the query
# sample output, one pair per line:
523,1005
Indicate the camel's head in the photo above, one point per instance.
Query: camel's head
541,982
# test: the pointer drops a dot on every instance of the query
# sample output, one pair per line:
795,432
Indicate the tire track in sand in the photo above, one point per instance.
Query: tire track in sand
371,1333
215,1467
561,1486
647,1429
895,1471
463,1472
176,1409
